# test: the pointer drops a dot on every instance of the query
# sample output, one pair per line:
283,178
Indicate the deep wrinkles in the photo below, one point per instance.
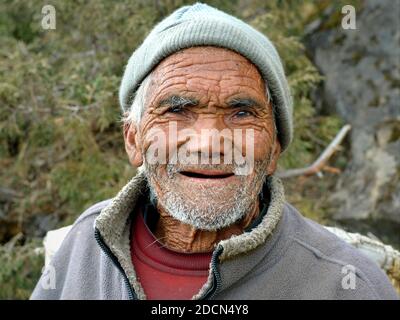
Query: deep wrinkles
194,72
155,117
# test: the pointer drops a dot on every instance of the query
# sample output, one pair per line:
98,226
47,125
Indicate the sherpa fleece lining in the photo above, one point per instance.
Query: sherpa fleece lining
114,224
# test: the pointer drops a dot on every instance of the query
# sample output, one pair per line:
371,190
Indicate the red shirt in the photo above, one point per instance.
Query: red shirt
165,274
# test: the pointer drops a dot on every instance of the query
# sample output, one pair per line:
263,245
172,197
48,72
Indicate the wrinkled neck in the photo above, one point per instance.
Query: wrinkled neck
181,237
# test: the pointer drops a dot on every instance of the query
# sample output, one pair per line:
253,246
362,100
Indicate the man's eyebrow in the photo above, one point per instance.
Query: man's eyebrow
178,101
175,101
246,103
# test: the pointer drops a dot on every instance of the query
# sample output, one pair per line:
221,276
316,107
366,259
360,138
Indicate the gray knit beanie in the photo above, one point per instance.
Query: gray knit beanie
201,25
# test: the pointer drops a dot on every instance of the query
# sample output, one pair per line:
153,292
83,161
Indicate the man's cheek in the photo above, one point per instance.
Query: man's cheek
264,142
155,146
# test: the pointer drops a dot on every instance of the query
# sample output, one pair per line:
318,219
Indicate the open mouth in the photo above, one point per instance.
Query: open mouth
206,175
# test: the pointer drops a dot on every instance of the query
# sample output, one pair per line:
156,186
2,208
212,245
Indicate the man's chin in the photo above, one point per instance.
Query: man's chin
205,225
208,216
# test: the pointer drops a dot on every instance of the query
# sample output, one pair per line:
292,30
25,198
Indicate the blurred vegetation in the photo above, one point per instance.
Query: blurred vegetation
21,266
61,145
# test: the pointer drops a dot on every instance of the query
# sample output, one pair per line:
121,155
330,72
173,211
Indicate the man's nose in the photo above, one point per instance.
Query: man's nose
212,122
212,136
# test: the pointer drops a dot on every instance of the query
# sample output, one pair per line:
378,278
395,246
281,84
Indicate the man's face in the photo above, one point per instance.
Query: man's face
210,106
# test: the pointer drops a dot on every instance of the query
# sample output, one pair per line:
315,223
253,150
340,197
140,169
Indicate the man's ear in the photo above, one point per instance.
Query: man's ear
131,145
276,152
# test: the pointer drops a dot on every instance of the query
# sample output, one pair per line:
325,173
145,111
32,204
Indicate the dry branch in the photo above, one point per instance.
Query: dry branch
320,164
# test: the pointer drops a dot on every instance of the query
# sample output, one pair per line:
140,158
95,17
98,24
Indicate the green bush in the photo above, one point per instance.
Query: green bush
20,268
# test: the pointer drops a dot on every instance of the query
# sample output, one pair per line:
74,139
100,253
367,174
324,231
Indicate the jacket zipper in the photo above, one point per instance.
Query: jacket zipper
216,286
108,253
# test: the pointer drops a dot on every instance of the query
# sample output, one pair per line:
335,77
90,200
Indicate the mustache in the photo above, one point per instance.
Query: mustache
196,161
193,161
174,168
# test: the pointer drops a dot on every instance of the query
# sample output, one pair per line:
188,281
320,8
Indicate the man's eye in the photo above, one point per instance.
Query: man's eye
175,109
243,113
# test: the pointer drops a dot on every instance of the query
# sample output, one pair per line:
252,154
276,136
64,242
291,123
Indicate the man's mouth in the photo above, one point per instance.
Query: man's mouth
207,174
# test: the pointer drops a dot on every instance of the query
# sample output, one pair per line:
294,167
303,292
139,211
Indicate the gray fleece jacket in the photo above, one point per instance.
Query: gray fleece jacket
284,256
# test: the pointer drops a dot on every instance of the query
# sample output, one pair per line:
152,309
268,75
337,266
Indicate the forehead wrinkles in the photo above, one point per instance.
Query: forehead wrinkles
207,74
205,59
202,55
208,66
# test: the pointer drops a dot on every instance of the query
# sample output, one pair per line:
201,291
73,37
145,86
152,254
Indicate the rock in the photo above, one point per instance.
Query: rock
362,84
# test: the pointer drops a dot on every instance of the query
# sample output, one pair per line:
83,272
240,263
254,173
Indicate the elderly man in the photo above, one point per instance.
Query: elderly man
207,114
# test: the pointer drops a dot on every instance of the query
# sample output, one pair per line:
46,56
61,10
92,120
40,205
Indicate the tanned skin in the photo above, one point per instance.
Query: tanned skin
214,77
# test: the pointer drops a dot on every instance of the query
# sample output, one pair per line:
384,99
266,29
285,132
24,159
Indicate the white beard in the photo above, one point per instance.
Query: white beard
209,208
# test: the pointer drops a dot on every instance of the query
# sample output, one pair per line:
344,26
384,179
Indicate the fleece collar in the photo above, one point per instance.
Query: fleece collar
114,223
